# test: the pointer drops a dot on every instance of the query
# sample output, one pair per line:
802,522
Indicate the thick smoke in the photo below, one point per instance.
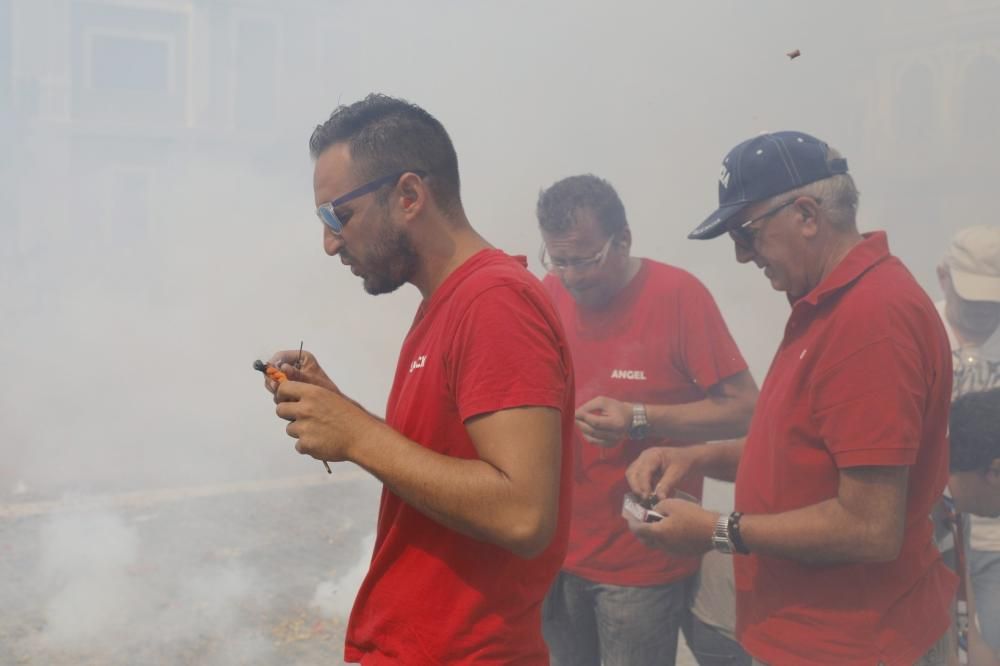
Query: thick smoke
157,235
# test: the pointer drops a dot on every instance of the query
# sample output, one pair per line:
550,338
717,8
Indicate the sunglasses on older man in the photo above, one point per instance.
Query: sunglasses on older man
745,235
327,214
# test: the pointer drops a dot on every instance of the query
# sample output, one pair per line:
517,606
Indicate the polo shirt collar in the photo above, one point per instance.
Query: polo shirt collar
873,249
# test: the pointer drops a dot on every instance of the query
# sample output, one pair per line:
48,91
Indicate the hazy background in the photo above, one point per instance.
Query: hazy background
157,230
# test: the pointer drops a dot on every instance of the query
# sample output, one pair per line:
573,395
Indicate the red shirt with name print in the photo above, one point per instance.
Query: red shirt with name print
487,339
862,378
661,341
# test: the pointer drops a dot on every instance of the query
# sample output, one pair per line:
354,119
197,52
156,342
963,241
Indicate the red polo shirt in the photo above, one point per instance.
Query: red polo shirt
862,377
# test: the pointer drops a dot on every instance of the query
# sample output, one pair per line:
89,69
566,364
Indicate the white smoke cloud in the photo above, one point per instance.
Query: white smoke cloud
104,599
335,598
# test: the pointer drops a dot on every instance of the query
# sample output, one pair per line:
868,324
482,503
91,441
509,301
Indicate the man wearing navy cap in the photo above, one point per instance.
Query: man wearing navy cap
847,451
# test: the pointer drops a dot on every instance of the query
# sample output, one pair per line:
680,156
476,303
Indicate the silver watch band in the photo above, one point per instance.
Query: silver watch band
722,541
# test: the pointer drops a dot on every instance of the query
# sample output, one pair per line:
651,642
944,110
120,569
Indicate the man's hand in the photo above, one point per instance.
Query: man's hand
326,424
604,421
657,471
686,528
308,370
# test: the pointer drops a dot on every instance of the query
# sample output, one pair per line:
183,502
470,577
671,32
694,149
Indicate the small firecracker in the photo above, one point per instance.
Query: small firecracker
277,376
641,509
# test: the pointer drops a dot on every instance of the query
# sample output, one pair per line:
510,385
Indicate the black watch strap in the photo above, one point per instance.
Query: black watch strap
735,535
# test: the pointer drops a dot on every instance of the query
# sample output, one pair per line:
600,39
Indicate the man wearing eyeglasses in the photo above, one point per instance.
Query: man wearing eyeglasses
847,452
655,366
475,450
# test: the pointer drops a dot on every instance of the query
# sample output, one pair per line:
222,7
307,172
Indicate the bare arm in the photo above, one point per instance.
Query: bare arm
657,471
863,523
509,496
724,414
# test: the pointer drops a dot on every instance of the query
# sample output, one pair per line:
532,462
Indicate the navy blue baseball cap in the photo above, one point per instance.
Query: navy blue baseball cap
763,167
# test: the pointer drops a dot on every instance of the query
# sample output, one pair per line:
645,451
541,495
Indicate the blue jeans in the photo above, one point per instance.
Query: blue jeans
984,566
590,624
711,647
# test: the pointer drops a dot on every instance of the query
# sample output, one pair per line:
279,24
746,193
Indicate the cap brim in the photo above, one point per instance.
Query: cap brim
974,287
717,223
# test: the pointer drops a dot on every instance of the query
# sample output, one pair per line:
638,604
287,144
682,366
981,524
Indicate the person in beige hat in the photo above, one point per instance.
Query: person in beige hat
970,279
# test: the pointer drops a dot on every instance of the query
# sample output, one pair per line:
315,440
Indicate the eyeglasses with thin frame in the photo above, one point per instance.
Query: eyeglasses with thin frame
327,214
556,266
745,236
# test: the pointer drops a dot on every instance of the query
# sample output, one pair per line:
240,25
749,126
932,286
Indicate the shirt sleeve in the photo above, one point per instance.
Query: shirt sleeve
508,351
869,406
707,352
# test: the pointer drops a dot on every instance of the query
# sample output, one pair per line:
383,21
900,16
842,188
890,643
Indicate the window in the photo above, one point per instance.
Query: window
119,62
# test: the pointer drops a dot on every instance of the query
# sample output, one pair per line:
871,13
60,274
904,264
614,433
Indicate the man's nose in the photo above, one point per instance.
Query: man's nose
572,276
332,243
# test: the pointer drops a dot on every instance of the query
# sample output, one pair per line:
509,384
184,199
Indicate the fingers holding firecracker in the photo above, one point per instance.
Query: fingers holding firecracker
325,424
301,366
274,380
684,527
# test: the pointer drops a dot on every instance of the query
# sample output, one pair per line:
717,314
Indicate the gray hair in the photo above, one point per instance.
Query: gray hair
838,195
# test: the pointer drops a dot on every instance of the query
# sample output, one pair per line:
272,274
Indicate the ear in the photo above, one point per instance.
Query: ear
625,239
412,194
993,472
944,277
810,210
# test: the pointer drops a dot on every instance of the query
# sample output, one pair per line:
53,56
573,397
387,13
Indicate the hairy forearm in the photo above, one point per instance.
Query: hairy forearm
724,413
822,533
705,420
470,496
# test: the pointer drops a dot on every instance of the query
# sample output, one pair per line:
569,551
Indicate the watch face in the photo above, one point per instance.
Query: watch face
637,432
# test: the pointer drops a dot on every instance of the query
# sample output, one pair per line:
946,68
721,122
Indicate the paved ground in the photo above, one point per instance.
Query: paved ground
219,577
244,573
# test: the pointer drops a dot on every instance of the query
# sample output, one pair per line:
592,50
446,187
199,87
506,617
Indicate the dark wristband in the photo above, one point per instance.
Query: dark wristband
735,535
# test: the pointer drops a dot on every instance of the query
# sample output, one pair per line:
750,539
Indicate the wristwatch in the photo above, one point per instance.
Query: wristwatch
726,536
640,424
721,539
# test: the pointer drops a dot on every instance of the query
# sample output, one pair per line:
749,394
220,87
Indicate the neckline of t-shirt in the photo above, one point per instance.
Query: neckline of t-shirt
456,277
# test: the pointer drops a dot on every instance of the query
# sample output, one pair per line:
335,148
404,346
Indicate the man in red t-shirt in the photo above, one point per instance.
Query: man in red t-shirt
655,366
475,450
847,451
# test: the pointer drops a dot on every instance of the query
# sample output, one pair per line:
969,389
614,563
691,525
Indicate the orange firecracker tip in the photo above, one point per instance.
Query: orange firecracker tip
275,374
269,370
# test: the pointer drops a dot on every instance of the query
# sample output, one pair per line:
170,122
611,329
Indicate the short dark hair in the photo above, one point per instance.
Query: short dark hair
386,135
557,205
975,430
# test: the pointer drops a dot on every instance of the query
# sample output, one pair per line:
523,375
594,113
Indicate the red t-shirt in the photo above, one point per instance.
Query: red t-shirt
662,341
862,377
487,339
